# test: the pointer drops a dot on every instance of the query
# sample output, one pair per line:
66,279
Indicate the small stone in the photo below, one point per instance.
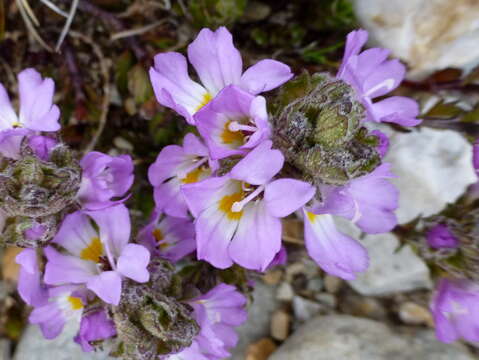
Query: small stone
293,270
390,270
363,307
259,319
342,337
260,350
280,323
304,309
122,143
4,349
9,267
273,277
315,284
332,284
255,11
414,314
326,299
285,292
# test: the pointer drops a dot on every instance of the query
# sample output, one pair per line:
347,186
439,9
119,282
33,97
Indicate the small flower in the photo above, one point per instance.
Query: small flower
103,178
37,112
169,237
233,123
440,237
42,146
218,64
372,76
475,156
97,258
93,327
238,215
65,303
334,252
368,201
217,312
175,166
454,308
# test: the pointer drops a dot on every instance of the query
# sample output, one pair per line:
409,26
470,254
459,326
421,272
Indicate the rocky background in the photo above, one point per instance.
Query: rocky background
298,312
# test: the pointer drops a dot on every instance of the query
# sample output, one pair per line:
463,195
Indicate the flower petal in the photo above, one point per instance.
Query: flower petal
173,87
396,109
8,117
334,252
37,111
257,239
215,59
354,42
65,269
133,263
29,279
107,286
260,165
285,196
265,75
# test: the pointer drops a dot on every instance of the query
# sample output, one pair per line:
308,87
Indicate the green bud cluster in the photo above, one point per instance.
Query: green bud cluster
318,128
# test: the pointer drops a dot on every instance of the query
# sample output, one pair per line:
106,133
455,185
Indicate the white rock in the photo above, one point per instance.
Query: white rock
33,346
304,309
428,34
433,168
342,337
390,270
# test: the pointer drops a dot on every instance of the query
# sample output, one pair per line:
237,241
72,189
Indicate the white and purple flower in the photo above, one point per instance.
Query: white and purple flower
218,64
217,312
238,215
97,256
175,166
233,123
37,111
454,308
372,75
104,177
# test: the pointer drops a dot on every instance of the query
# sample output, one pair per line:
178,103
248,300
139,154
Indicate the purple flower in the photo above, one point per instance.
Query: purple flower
42,146
37,112
454,308
218,64
104,177
334,252
238,214
97,258
175,166
30,286
475,156
372,76
368,201
64,303
281,258
383,145
93,327
440,237
217,312
169,237
233,123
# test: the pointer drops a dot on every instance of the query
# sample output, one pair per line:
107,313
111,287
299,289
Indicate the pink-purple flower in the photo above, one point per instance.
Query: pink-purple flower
97,256
233,123
175,166
94,326
372,76
238,215
217,312
104,177
37,111
168,237
218,64
454,308
440,237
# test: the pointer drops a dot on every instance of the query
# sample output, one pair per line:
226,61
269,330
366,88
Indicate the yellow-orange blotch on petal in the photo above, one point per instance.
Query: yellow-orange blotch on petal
75,302
227,202
93,251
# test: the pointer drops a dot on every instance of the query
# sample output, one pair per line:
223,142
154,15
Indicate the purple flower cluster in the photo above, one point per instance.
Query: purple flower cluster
79,276
237,214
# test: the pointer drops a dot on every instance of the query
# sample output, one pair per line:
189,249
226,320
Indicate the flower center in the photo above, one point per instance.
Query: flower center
93,251
193,172
206,99
238,206
75,303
